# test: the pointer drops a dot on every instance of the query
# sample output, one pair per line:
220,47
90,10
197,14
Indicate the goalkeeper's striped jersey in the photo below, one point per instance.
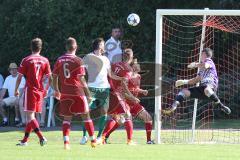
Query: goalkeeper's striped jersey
209,76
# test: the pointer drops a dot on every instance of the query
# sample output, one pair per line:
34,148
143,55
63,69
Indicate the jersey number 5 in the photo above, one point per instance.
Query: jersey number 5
66,71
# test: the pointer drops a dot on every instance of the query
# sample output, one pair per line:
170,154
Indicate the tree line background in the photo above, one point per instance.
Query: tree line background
55,20
85,20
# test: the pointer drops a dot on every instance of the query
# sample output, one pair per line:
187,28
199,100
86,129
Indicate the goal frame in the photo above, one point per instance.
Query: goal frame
158,54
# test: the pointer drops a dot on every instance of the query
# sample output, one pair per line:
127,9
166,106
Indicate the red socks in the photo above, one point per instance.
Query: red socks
148,127
129,128
113,129
28,130
113,125
36,129
90,129
32,125
109,126
66,131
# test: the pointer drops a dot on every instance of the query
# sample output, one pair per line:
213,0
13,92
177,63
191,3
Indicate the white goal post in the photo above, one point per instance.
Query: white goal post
159,49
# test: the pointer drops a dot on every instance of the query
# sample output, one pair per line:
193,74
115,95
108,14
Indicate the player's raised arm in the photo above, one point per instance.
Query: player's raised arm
192,81
206,64
142,91
203,65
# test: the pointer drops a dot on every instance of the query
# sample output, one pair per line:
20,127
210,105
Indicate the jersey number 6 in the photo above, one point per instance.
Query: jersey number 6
66,71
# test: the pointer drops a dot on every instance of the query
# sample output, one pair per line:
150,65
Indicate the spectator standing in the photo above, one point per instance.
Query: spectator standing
113,46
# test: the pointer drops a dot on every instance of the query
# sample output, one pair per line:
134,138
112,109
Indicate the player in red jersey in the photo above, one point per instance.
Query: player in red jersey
35,68
118,105
136,109
69,82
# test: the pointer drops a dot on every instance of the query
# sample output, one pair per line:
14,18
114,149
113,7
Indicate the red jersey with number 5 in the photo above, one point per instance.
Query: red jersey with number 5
68,68
34,68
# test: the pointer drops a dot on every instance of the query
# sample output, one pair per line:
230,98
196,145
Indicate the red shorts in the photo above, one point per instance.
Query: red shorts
117,104
33,100
73,105
135,108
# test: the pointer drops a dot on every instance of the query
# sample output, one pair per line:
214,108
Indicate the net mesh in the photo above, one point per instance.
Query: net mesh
181,46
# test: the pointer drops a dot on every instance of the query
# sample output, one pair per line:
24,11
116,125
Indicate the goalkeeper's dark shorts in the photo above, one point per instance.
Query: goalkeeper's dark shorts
198,92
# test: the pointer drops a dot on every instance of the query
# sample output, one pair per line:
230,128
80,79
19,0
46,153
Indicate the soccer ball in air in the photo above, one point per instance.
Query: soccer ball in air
133,19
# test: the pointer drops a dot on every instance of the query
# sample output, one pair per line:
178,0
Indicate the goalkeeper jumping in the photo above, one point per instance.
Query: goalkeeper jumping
208,83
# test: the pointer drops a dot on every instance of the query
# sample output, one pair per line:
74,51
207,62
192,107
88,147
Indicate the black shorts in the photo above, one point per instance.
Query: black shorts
198,92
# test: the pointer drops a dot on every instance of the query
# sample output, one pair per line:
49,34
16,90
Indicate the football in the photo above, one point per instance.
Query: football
133,19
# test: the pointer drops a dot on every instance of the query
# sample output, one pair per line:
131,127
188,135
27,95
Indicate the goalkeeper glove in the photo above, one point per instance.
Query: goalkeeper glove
181,82
192,65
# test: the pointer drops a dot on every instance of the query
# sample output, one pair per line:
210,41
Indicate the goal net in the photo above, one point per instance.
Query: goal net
180,39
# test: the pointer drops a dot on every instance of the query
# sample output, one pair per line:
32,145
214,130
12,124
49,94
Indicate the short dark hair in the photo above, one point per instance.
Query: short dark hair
96,42
36,45
208,52
70,44
116,27
127,53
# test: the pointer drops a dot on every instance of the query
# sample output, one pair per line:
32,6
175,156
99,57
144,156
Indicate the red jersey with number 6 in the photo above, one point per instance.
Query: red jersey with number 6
73,100
68,67
34,68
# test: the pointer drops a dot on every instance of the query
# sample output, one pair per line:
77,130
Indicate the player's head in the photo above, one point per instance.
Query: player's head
128,55
206,53
135,65
13,69
99,44
71,44
116,32
36,45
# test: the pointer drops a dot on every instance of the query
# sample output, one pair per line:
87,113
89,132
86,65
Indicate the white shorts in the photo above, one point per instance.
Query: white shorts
10,101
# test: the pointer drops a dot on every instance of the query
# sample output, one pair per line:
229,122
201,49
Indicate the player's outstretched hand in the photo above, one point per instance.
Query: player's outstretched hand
181,82
192,65
167,111
145,92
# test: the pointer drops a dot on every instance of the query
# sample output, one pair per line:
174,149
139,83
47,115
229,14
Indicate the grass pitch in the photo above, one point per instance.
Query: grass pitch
116,150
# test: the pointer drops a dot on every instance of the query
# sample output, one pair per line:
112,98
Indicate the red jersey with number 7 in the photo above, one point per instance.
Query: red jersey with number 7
34,68
68,68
